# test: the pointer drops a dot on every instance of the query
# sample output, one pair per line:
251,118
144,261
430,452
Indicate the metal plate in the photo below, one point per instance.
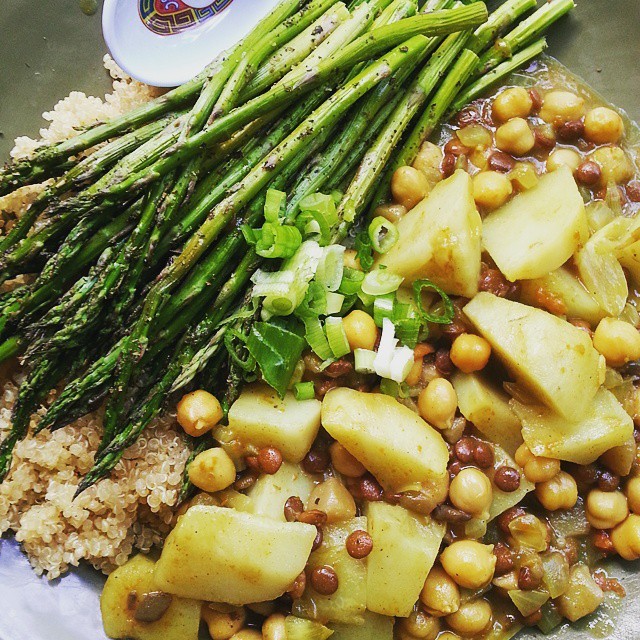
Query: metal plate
48,49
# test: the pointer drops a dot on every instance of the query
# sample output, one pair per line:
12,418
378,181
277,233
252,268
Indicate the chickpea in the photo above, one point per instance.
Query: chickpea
536,468
344,463
437,403
470,353
198,412
212,470
603,126
564,157
273,628
626,538
471,564
515,137
440,594
361,330
350,260
514,102
472,618
491,189
419,625
332,497
428,161
391,212
633,494
223,624
559,107
409,186
606,509
561,492
614,163
617,341
471,491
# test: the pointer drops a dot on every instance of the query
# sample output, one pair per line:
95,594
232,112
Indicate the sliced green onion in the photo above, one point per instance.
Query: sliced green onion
407,323
351,281
401,364
394,389
314,334
448,311
274,204
334,302
337,336
387,346
337,196
366,299
331,267
383,234
304,391
380,282
364,250
313,225
363,360
383,308
278,241
314,303
321,203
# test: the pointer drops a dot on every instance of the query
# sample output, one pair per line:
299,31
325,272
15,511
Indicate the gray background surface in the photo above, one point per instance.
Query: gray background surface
49,48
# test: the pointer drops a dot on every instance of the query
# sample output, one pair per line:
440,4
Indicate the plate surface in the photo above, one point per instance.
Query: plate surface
48,49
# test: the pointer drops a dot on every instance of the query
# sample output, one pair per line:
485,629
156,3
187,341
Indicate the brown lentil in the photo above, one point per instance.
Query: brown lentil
533,618
464,449
366,488
317,541
589,173
270,460
506,517
316,461
602,541
633,190
324,580
570,130
339,368
536,100
323,386
504,559
313,516
245,480
455,148
501,161
483,455
608,481
153,606
359,544
443,362
528,580
584,474
493,281
298,587
447,513
507,479
293,507
454,469
544,137
448,165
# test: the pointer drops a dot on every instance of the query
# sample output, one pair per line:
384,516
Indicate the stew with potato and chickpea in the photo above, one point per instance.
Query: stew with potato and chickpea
475,494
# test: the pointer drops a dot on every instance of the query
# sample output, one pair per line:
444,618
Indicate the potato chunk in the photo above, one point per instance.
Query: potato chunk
259,418
538,230
375,627
405,547
223,555
605,425
582,597
126,590
349,602
561,293
488,408
269,494
548,356
390,440
440,239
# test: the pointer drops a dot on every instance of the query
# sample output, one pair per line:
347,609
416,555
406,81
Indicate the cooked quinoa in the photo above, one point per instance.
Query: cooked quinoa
132,508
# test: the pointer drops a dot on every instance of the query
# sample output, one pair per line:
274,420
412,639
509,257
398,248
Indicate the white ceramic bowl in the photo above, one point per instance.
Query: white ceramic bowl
166,42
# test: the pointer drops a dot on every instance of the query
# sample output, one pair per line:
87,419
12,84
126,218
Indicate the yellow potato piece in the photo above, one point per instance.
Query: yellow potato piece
440,239
405,547
538,230
223,555
180,621
261,419
488,408
605,425
391,441
551,358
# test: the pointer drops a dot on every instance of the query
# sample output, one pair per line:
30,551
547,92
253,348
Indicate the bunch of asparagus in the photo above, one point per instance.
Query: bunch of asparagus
136,260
